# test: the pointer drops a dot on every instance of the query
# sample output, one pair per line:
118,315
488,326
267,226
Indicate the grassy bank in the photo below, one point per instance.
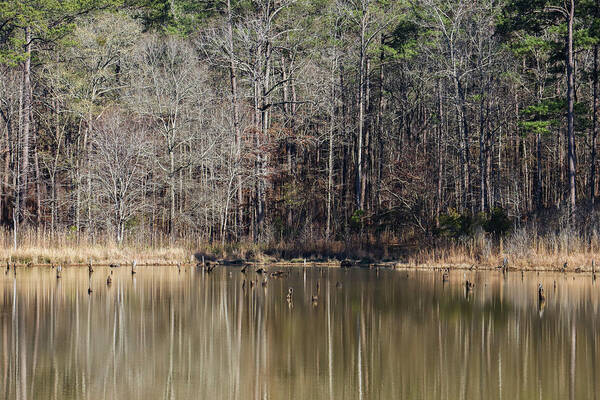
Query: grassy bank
39,247
522,248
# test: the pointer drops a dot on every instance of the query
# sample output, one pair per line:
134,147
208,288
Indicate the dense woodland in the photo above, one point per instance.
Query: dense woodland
297,120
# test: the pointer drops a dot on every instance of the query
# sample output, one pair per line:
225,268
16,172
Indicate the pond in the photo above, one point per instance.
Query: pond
341,334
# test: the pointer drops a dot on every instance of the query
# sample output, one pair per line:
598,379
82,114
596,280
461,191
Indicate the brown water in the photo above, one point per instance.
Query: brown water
392,335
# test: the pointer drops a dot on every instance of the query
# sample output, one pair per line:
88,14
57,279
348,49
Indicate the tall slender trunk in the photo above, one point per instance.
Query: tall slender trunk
525,170
570,112
264,116
257,144
368,126
4,172
171,192
488,169
5,180
330,160
289,145
293,159
38,192
36,166
344,175
594,125
24,170
499,196
380,105
53,211
463,133
361,113
79,163
438,200
225,213
77,198
88,178
482,153
52,170
538,171
235,115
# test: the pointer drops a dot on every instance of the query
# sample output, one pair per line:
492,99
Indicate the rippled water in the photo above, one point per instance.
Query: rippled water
387,335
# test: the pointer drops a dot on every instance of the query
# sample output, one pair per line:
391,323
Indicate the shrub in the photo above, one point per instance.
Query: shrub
456,225
453,224
498,223
356,220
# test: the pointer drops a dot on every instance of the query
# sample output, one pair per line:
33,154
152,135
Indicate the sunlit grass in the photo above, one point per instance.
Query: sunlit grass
39,248
523,250
98,254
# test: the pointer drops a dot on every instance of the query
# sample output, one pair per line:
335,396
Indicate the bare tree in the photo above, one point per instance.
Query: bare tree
87,78
119,161
171,93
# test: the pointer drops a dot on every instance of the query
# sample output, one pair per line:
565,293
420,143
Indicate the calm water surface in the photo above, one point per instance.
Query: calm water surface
392,335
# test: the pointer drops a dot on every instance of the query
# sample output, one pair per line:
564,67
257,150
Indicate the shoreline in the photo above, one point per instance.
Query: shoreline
390,265
523,251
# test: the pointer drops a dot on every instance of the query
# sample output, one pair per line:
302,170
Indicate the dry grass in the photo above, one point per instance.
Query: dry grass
39,248
98,254
523,249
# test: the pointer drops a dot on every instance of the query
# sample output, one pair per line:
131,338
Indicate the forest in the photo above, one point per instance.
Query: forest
415,124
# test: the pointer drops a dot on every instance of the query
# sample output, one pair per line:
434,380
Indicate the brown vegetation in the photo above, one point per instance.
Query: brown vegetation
523,249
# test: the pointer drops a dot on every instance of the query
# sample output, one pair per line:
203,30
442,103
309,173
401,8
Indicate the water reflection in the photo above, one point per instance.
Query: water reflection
337,334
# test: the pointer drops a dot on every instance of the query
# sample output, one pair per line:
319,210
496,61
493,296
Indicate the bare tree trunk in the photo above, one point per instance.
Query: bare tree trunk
380,129
52,170
570,112
38,193
53,211
5,173
5,180
463,134
344,175
24,170
488,170
257,143
482,153
78,200
171,192
330,160
235,115
361,114
88,177
594,126
526,186
226,212
538,171
289,145
440,161
78,167
260,201
366,177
